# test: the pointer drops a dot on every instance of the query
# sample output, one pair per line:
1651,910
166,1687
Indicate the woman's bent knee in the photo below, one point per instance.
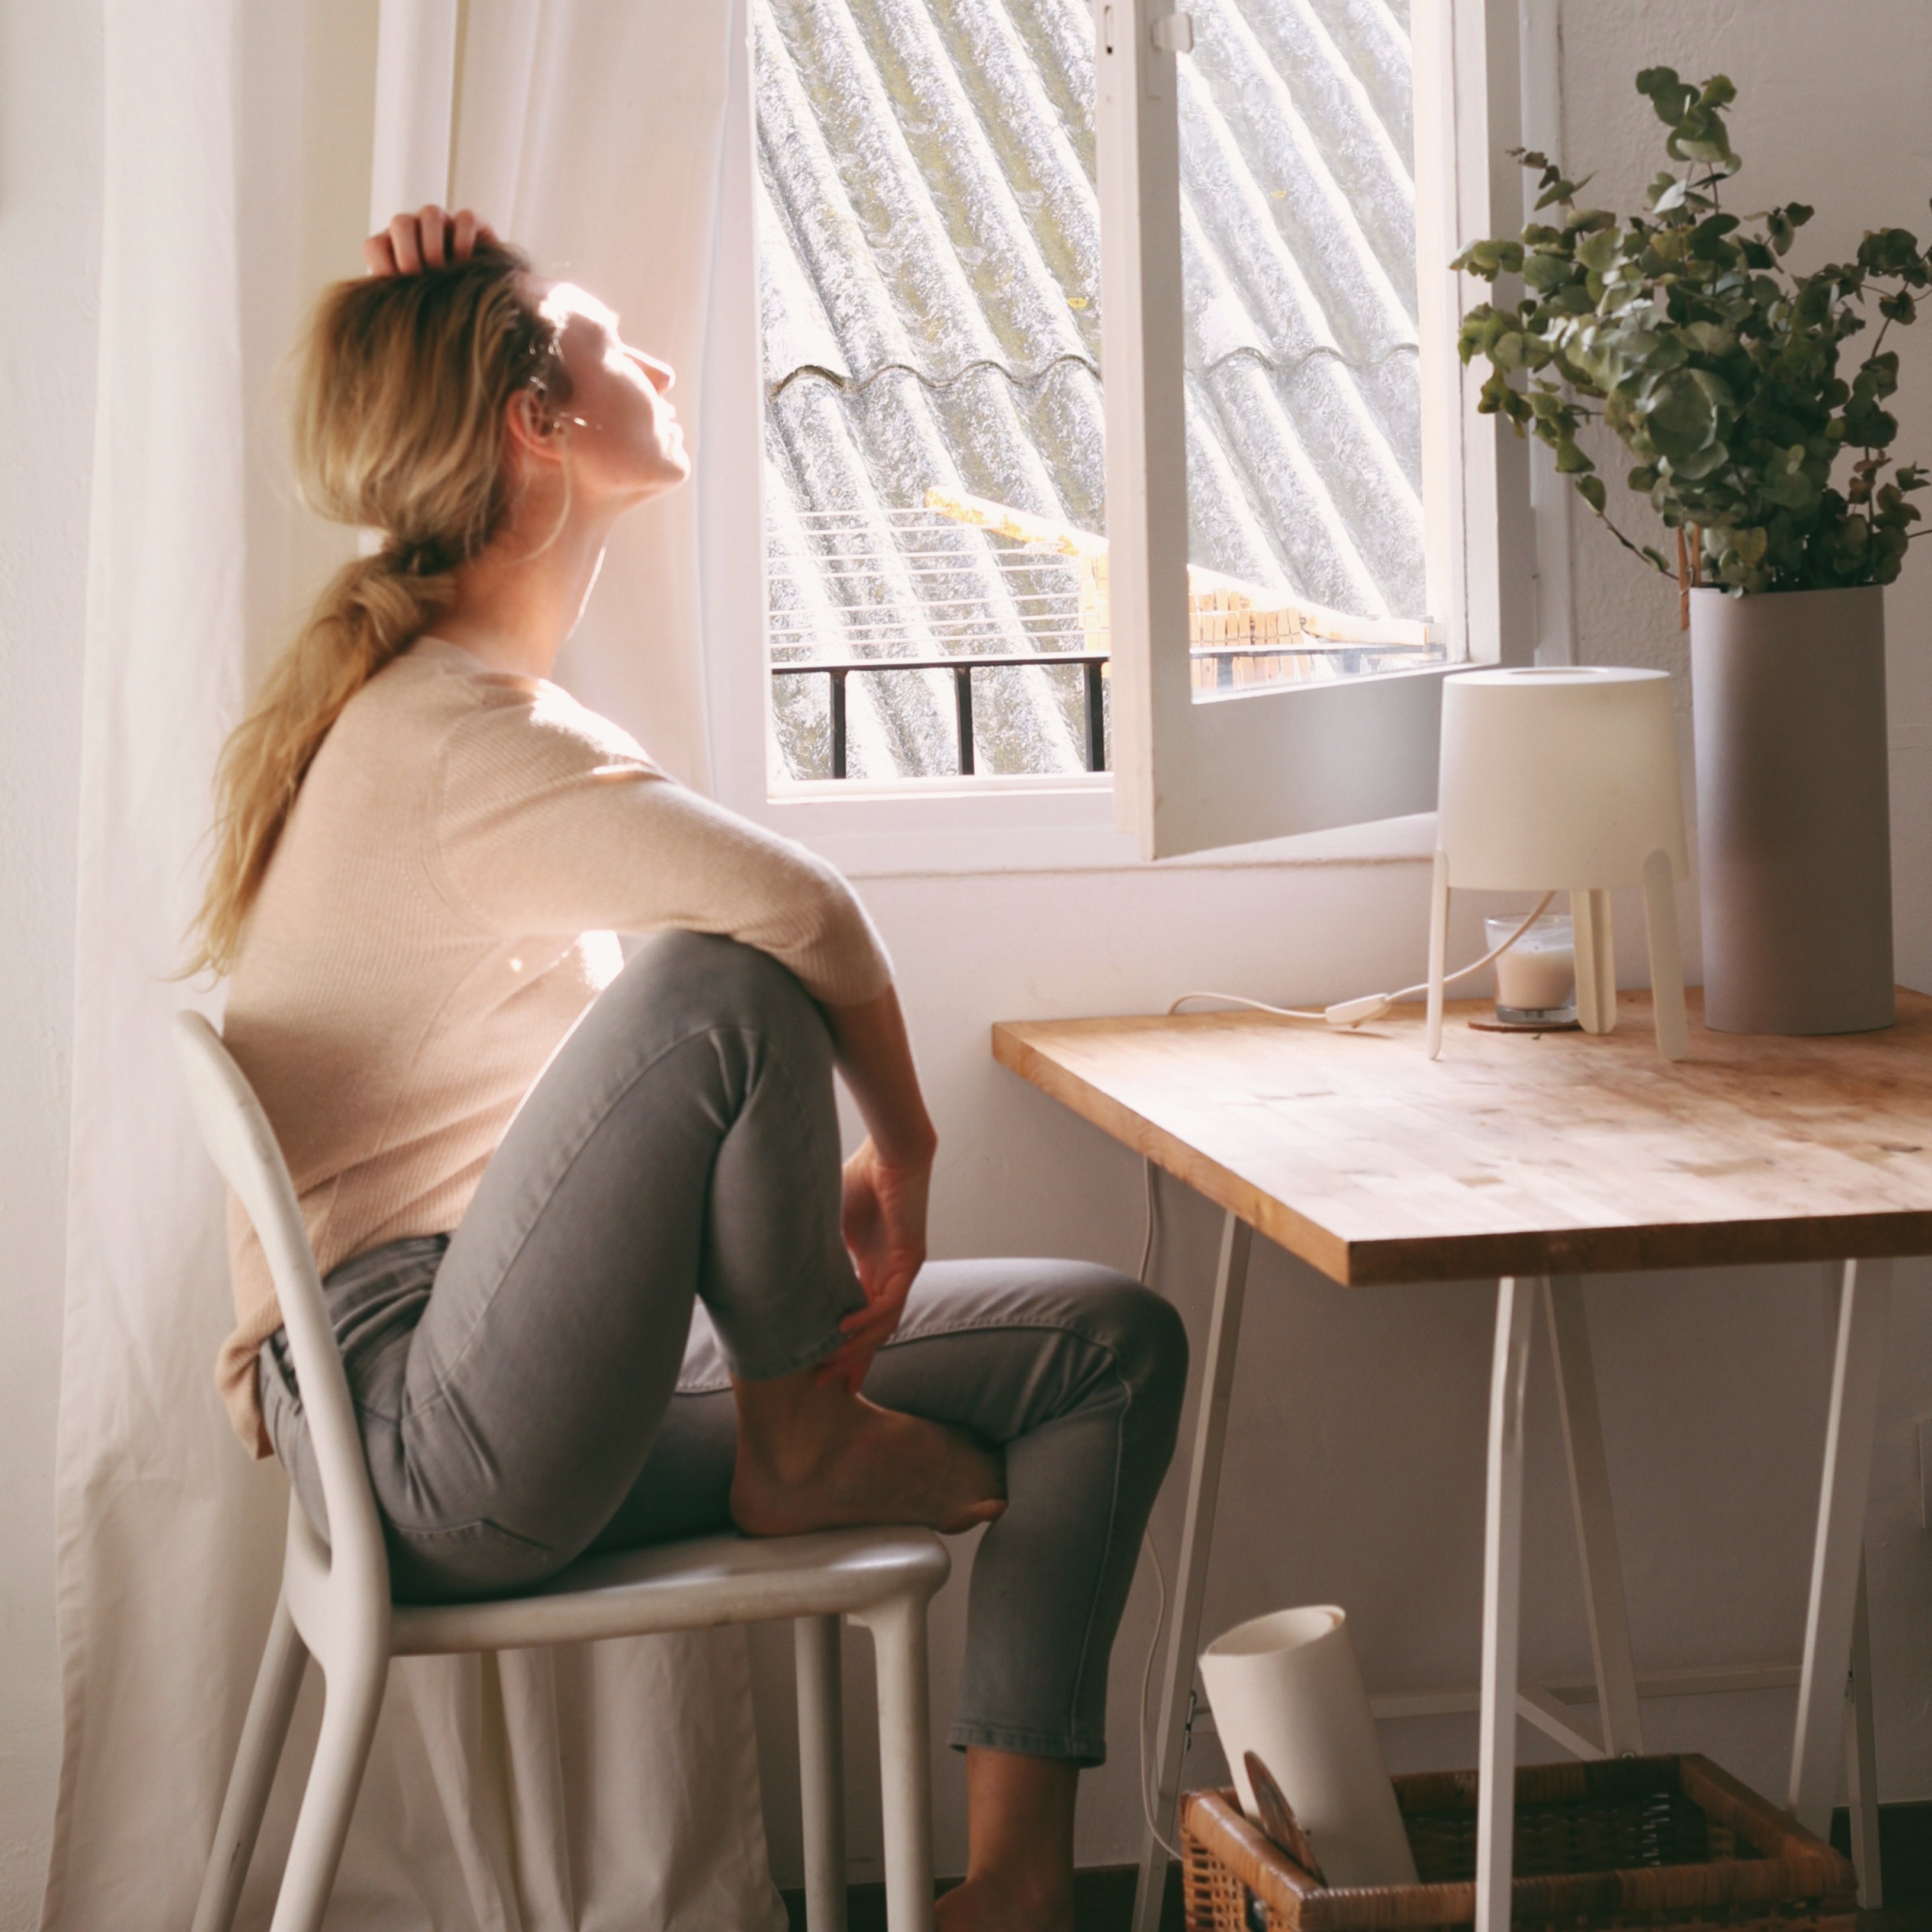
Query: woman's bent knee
696,980
1139,1330
1150,1342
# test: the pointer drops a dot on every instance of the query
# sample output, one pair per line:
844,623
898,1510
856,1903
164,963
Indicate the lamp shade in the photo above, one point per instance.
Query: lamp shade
1558,776
1287,1686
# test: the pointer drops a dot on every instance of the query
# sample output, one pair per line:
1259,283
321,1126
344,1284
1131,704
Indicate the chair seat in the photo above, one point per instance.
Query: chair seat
672,1586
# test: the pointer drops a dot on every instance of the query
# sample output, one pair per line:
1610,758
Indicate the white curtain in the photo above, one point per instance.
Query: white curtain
612,1786
591,132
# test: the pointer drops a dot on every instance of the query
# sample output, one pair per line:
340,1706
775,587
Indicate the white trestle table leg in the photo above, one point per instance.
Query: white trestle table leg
1861,1756
1861,1761
1203,1483
1502,1594
1596,1525
1817,1748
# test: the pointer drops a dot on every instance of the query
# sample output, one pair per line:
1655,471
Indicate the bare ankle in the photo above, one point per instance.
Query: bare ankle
821,1458
1020,1871
790,1423
1000,1902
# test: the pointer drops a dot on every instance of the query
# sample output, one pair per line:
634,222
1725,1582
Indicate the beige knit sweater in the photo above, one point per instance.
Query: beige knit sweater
443,906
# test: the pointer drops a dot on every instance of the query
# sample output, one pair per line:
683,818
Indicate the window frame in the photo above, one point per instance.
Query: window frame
1333,759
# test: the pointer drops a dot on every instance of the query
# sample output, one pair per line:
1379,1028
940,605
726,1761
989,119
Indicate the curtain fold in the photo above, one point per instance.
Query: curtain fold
610,1785
610,176
161,1529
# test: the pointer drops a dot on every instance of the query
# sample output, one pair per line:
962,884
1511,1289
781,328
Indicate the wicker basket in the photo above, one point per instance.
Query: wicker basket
1630,1842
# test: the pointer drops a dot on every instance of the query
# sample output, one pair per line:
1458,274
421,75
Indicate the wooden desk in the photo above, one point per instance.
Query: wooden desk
1536,1161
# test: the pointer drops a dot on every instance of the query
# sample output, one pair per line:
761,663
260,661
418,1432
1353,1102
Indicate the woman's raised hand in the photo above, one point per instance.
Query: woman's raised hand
432,238
884,1225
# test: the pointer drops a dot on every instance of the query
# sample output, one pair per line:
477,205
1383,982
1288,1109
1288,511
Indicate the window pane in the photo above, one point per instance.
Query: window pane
930,266
1304,455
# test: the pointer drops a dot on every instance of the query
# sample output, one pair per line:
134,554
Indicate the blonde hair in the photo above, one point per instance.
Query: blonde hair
401,425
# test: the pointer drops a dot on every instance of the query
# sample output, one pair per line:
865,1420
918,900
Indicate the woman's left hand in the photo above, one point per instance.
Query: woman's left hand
884,1222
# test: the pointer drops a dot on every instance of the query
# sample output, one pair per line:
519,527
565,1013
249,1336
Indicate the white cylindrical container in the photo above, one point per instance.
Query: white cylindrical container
1536,979
1287,1688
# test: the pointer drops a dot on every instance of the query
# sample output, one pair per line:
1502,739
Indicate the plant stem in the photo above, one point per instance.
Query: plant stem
1635,550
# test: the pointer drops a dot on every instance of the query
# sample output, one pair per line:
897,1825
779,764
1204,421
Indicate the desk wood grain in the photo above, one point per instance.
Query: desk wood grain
1513,1154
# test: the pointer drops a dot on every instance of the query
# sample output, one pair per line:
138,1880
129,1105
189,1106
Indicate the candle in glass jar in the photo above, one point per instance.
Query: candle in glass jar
1538,975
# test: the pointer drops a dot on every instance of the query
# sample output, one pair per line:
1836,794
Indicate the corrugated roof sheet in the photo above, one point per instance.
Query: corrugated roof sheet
930,267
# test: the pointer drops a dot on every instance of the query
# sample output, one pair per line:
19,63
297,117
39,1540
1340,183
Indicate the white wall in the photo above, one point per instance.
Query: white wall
1354,1462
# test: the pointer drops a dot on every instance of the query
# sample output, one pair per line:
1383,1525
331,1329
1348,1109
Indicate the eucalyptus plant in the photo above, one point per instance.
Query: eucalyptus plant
1685,331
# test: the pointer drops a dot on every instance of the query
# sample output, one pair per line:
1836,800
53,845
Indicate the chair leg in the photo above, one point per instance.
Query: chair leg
821,1766
905,1763
349,1709
278,1684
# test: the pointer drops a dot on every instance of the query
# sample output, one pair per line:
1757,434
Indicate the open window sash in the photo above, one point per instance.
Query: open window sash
1294,758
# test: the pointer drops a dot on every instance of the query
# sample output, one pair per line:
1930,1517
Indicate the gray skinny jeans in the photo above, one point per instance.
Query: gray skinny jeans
553,1377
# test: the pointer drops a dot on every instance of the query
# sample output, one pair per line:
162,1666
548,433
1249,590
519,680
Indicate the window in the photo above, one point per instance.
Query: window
965,211
929,268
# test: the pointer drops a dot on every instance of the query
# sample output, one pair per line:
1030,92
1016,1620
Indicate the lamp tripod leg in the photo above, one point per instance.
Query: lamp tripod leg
1438,949
1666,960
1596,961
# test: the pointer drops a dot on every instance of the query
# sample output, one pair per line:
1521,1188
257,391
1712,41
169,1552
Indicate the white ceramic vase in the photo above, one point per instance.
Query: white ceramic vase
1794,813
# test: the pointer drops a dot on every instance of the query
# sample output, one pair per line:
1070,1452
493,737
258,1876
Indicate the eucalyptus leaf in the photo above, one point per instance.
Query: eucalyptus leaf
1717,366
1599,251
1545,270
1708,338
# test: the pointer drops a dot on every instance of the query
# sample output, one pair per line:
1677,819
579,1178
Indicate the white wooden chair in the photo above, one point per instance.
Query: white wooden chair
335,1603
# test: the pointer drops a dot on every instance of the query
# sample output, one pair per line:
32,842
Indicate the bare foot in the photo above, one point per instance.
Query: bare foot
984,1905
813,1458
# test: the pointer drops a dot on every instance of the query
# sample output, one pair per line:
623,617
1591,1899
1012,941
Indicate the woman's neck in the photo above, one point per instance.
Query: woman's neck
521,595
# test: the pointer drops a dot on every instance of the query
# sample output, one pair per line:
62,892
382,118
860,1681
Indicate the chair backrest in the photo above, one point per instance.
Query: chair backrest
243,1146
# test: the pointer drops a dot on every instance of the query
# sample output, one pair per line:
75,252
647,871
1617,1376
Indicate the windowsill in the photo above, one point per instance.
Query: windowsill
874,829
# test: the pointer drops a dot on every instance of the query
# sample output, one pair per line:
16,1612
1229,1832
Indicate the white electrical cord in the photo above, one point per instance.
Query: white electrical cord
1370,1005
1153,1554
1146,1678
1147,1247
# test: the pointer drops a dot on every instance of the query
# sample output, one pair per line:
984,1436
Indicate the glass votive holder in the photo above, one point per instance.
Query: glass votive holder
1536,979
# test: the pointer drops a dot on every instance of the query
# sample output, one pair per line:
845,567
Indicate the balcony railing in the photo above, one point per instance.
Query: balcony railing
962,586
1223,665
1091,662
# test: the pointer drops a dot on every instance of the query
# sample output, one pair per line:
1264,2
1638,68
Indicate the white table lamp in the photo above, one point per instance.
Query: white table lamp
1565,778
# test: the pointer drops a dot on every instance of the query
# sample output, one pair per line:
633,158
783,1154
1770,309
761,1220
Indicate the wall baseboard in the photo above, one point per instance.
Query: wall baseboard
1103,1899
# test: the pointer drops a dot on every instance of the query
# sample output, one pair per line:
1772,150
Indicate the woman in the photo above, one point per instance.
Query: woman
595,1274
